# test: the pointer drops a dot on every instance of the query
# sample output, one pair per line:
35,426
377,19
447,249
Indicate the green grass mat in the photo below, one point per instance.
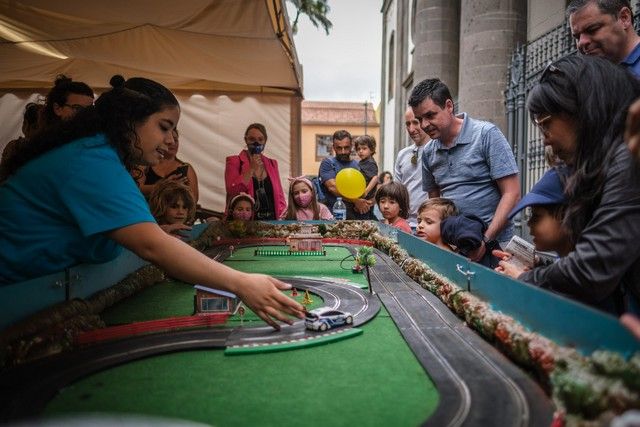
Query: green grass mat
372,380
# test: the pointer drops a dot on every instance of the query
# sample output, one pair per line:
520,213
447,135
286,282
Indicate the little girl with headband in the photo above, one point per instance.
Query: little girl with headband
303,202
241,207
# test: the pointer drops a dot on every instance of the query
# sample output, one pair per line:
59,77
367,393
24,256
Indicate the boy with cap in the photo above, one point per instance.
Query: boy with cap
467,234
440,223
547,202
431,213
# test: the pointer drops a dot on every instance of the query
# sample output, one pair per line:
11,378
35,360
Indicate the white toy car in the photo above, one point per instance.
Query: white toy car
323,318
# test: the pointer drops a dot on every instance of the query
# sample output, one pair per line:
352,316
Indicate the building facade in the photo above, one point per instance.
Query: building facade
466,43
490,53
321,119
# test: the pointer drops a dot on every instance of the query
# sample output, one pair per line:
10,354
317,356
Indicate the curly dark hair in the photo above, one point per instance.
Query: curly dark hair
165,194
367,140
116,114
596,95
62,87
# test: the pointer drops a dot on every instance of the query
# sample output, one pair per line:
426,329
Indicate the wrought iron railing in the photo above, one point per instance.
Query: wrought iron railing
527,63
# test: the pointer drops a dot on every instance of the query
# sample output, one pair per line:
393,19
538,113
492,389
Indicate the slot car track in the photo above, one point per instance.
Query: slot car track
477,384
26,389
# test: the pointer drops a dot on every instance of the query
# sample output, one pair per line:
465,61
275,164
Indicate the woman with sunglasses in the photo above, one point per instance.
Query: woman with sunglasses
254,173
580,106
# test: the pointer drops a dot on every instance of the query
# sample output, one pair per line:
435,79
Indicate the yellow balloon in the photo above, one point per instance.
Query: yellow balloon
350,183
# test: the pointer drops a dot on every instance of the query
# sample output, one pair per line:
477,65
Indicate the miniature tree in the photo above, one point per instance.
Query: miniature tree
366,259
307,298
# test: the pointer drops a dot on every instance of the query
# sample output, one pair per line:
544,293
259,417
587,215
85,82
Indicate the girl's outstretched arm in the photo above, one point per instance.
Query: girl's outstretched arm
260,293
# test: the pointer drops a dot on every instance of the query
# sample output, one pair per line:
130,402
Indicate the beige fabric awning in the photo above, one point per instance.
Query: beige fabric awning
226,45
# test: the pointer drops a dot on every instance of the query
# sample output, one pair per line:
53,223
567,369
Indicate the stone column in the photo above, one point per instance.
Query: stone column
437,41
489,31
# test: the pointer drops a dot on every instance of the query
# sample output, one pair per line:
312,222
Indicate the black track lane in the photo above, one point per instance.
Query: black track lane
478,386
26,389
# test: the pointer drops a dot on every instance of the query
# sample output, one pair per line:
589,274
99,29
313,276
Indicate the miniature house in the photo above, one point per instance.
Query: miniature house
308,240
208,300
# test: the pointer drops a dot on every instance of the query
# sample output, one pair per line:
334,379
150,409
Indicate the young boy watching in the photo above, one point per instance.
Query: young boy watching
430,214
547,202
365,146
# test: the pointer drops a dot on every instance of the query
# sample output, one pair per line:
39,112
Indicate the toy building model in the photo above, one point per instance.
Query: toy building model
208,300
308,240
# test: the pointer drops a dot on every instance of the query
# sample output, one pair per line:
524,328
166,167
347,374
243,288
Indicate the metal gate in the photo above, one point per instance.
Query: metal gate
527,63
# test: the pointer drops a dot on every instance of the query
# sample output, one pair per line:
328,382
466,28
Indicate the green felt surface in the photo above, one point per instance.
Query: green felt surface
166,299
312,266
372,379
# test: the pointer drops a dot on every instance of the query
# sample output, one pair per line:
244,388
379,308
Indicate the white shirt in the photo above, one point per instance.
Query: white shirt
409,174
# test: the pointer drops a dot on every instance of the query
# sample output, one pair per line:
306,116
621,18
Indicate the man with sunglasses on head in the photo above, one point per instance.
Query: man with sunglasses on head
468,161
408,170
605,28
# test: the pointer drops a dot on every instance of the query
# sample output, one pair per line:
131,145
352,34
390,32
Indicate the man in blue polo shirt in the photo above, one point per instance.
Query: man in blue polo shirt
329,168
605,28
468,161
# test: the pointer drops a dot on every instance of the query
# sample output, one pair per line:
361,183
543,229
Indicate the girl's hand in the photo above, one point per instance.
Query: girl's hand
262,294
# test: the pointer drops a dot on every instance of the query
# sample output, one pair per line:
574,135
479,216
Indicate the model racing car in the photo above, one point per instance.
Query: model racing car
321,319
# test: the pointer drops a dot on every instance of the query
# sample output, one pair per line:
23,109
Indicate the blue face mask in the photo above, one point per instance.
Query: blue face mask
256,148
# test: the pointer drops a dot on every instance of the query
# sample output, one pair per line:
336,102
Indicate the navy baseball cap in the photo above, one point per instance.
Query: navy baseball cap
465,232
548,191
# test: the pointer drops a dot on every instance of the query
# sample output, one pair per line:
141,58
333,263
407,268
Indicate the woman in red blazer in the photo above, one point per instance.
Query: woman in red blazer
253,173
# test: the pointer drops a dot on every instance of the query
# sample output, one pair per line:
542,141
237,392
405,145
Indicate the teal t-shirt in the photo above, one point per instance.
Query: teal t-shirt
55,211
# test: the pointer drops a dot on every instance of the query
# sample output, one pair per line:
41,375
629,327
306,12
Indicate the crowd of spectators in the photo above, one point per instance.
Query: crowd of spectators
456,185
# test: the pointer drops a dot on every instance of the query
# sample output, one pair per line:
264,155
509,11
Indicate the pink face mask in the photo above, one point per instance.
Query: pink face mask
303,199
243,215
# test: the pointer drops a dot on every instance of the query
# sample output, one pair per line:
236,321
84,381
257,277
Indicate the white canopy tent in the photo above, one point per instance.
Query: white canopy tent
230,62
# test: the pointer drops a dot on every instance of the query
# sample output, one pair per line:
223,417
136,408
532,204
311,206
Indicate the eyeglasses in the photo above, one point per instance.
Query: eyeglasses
75,107
540,123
